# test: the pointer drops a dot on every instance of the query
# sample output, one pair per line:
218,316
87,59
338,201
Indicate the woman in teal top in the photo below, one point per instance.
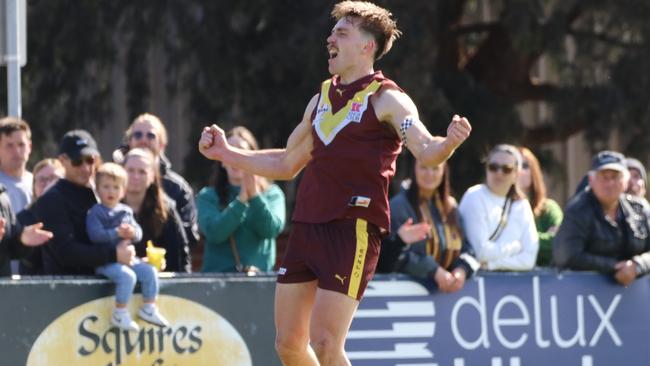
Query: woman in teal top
548,214
240,210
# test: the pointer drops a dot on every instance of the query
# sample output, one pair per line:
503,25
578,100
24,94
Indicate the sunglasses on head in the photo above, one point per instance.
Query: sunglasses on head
138,135
505,168
89,160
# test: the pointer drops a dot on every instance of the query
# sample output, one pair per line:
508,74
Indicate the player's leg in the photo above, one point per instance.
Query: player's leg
294,298
331,318
347,262
293,308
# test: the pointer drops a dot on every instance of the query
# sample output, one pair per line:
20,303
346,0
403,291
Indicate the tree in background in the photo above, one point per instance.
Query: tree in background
260,61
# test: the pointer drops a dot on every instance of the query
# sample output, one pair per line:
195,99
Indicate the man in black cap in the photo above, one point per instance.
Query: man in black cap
604,229
63,208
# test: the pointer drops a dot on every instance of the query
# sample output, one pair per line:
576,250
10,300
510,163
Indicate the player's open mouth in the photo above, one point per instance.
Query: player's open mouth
332,53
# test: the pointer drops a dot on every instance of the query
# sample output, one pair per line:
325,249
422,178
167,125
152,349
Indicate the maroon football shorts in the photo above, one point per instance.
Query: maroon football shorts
342,255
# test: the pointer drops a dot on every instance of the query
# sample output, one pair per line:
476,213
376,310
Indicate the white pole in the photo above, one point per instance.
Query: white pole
13,60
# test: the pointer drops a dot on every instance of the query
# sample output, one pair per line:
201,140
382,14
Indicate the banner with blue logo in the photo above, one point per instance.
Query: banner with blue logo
503,319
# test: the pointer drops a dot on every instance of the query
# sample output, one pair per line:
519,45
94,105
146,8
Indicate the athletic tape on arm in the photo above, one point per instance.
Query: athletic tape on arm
404,126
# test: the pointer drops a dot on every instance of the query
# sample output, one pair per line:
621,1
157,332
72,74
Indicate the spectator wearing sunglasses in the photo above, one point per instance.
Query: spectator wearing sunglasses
147,131
548,214
63,208
497,218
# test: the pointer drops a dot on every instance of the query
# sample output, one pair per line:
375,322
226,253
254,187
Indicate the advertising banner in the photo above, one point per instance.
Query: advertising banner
498,319
214,320
504,319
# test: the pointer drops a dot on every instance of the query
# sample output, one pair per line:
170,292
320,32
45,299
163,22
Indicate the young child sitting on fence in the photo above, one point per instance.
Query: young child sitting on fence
112,223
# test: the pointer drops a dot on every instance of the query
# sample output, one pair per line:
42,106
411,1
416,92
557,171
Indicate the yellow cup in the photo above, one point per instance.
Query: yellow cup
155,255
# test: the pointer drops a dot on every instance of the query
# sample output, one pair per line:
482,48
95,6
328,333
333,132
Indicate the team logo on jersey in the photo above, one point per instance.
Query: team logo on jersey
328,124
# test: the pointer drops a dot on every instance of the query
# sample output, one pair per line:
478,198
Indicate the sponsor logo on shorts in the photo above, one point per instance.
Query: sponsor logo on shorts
359,201
282,271
342,279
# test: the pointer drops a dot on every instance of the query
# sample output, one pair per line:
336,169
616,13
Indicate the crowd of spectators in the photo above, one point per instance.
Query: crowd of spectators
506,223
509,224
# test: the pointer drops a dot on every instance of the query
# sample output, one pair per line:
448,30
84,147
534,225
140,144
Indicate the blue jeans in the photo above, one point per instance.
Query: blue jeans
125,278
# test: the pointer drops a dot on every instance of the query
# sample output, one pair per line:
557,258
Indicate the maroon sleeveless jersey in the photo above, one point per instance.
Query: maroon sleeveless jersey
353,156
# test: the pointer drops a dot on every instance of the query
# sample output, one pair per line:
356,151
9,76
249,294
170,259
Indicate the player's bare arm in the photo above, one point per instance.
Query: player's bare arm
277,164
397,108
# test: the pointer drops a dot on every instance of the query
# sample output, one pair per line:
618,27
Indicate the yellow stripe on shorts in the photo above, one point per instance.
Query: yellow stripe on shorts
359,258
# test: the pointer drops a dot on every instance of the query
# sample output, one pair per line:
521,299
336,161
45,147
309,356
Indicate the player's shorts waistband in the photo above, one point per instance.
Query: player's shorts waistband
348,222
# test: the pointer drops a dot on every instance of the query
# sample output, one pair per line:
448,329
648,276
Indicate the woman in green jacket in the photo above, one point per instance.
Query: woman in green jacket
240,216
548,214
